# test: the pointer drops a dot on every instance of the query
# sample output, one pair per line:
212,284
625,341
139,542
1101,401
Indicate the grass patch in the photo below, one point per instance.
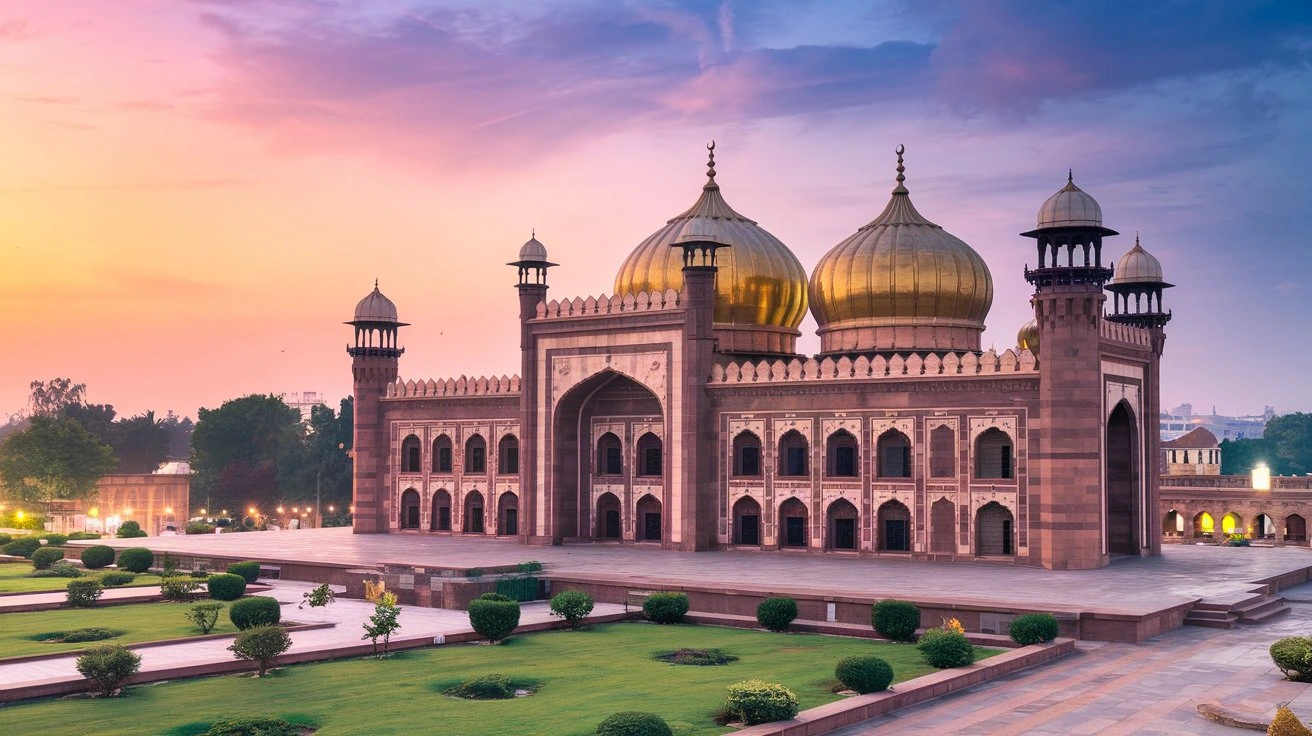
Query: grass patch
13,579
586,678
78,636
138,622
696,657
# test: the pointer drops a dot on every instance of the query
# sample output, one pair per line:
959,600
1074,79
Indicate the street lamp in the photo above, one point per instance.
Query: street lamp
1261,477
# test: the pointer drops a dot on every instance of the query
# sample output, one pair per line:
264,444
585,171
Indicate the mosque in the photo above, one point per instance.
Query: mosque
678,414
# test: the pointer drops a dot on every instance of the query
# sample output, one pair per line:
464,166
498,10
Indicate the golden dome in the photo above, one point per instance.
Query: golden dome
1028,337
760,288
901,283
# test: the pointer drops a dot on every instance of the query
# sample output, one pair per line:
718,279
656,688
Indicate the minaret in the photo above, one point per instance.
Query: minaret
532,267
1137,290
374,358
1065,465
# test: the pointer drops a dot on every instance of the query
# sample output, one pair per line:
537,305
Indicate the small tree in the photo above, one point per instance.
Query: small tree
130,530
108,666
493,616
261,644
571,605
319,597
83,593
383,623
178,587
205,616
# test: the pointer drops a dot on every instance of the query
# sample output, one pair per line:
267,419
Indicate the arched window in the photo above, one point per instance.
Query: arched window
942,452
508,455
410,509
608,516
474,513
842,455
842,525
508,514
440,521
993,456
792,523
894,527
410,454
943,527
610,455
993,530
442,454
1295,528
649,519
650,461
1231,523
894,455
746,521
792,454
747,455
476,454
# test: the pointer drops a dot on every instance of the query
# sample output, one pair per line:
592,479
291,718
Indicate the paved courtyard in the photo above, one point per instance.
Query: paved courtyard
1133,586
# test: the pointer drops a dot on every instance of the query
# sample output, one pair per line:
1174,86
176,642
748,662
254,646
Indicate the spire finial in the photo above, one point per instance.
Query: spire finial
375,284
533,233
710,162
1070,176
901,171
1136,238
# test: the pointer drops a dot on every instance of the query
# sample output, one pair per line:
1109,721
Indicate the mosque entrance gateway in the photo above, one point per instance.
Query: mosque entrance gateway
1123,498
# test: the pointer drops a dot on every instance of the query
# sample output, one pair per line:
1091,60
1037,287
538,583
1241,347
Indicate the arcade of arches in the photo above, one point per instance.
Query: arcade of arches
1252,521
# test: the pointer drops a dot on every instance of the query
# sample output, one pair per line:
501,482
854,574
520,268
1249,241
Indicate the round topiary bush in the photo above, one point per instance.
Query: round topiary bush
98,556
895,620
494,619
1293,655
45,557
864,674
1034,628
483,687
130,530
257,610
250,571
225,586
23,547
136,559
757,701
254,727
634,723
944,649
665,608
53,539
495,597
571,605
114,578
776,614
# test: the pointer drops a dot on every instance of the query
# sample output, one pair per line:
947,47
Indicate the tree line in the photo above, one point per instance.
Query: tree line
1285,447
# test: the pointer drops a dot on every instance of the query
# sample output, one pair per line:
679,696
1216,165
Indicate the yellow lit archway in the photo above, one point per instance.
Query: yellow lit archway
1203,524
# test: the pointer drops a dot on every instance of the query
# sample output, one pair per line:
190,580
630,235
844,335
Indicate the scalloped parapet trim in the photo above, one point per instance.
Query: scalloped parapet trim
1010,363
1125,333
647,301
462,386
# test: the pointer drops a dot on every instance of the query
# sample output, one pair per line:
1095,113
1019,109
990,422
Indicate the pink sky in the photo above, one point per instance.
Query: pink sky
195,194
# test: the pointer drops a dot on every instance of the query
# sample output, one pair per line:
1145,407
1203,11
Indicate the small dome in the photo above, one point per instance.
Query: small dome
1028,337
1070,207
375,308
1138,267
533,250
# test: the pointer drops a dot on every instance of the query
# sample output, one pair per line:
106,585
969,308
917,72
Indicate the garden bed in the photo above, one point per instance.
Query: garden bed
13,580
139,622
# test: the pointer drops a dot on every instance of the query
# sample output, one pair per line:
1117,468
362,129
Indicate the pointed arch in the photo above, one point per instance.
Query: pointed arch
746,455
1123,510
409,509
651,456
894,526
508,514
610,455
473,518
792,523
841,526
794,452
943,527
893,454
440,520
508,455
841,455
475,454
942,452
442,454
994,531
994,455
410,451
746,521
650,526
609,517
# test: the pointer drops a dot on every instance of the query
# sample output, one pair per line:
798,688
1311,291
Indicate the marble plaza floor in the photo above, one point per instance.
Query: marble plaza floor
1131,586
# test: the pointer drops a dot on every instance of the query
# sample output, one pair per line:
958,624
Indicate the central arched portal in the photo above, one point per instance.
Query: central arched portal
1124,510
587,444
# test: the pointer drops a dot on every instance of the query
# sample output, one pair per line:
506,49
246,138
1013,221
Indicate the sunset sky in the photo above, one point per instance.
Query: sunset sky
195,193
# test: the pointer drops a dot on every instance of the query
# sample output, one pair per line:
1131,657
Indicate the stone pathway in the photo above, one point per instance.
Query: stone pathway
57,598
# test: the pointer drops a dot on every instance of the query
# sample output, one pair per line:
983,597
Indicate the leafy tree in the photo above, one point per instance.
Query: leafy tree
319,459
141,443
98,419
50,397
55,459
236,449
1238,457
383,623
1290,435
178,430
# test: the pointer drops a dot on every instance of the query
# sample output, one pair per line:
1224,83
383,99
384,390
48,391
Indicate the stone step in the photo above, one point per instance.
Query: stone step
1262,611
1211,618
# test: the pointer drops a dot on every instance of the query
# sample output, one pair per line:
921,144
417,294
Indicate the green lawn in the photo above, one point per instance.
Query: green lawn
13,580
139,621
585,676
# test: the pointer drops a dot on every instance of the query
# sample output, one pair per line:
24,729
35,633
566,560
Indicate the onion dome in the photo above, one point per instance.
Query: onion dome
533,251
1028,337
760,288
1070,207
375,308
900,283
1138,267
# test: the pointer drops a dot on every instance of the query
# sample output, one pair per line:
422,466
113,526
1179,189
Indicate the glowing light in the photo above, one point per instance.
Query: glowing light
330,508
251,510
168,509
127,512
93,511
1230,523
1261,477
203,512
280,510
1205,523
19,515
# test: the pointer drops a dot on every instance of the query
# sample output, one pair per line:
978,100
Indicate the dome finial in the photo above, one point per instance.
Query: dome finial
901,171
375,284
710,162
1070,176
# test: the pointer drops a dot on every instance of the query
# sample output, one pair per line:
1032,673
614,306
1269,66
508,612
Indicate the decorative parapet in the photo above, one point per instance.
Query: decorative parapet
1010,363
1183,484
603,305
1125,333
462,386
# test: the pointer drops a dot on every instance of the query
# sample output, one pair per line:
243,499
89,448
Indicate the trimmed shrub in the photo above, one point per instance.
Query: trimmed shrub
83,535
200,528
115,578
758,701
1286,724
495,597
84,592
225,586
45,557
178,587
1293,656
697,657
944,649
483,687
136,559
130,530
255,611
98,556
864,674
254,727
23,547
665,608
519,589
250,571
60,569
493,619
895,620
571,605
200,574
205,616
5,539
108,666
53,539
1034,628
776,614
79,636
634,723
261,644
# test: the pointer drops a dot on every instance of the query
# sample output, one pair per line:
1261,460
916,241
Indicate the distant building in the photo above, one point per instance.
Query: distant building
1194,453
157,501
304,402
1181,419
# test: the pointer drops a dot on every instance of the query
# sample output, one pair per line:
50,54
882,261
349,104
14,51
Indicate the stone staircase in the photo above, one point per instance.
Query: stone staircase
1225,613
